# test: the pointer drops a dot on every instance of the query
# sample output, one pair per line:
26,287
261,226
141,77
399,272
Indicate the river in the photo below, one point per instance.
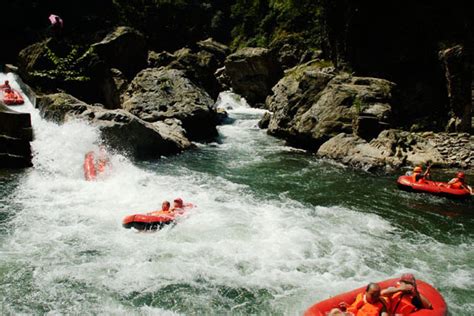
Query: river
274,229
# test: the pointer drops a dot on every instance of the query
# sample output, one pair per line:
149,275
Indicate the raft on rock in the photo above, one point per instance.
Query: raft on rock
437,301
12,97
407,183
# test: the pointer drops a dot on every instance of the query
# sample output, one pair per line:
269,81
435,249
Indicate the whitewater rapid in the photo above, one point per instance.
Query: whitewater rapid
238,251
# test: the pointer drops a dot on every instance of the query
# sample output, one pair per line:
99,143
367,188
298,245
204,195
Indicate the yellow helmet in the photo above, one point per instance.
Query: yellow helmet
417,169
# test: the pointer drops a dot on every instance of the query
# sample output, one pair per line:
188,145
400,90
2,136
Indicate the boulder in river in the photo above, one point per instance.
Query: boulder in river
120,129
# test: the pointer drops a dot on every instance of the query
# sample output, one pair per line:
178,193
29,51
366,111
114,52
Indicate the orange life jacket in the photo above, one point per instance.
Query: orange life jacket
457,184
101,164
417,176
401,303
361,307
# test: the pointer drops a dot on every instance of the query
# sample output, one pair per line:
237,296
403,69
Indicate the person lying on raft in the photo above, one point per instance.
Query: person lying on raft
404,297
165,210
178,206
369,303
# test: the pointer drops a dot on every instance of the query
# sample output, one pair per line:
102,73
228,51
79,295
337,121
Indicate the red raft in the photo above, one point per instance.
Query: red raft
147,222
89,166
437,188
437,301
12,97
154,222
94,167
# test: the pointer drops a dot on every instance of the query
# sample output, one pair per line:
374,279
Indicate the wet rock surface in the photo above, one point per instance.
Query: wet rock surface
120,129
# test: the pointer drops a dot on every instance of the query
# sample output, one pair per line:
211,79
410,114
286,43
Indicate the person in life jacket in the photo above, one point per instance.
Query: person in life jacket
103,160
178,205
418,175
459,182
405,298
6,85
369,303
165,209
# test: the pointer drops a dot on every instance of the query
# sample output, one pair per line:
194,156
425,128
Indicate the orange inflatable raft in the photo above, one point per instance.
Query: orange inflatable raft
437,301
407,183
154,222
12,97
94,167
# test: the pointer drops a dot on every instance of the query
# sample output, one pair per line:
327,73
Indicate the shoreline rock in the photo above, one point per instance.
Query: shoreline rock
395,149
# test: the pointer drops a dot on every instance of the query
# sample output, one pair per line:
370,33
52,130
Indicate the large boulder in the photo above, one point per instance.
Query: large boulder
252,72
15,136
53,65
120,129
393,149
113,86
198,64
156,94
311,104
125,49
290,50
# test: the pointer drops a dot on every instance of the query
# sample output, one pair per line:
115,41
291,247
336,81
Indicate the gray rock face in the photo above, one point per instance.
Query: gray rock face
311,105
125,49
198,64
159,94
15,136
393,149
114,85
252,73
458,78
120,129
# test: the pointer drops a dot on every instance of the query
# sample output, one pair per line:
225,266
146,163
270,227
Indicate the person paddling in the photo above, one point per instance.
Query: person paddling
418,174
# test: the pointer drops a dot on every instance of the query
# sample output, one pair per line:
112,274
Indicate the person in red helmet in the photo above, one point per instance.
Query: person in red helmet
418,174
404,298
459,182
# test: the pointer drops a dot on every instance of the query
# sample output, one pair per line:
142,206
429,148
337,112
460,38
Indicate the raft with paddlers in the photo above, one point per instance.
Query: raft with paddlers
12,97
408,183
439,307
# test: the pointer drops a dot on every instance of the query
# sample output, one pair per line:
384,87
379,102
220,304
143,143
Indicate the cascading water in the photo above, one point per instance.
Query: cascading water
273,231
